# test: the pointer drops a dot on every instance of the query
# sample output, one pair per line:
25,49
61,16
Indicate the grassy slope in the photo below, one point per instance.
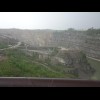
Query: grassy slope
3,46
20,65
96,65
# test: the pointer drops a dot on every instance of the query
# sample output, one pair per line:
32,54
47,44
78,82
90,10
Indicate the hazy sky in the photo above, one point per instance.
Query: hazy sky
50,20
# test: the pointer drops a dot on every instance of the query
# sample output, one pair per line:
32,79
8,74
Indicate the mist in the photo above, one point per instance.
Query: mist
50,20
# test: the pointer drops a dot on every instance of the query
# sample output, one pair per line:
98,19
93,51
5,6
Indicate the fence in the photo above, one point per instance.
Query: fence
45,82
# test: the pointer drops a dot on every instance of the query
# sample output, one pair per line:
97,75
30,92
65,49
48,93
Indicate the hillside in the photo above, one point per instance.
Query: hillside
88,40
75,62
57,53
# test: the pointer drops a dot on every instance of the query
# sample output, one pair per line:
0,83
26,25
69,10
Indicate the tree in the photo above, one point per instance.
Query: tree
71,30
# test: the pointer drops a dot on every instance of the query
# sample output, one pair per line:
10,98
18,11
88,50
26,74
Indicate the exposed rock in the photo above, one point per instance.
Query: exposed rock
76,61
87,41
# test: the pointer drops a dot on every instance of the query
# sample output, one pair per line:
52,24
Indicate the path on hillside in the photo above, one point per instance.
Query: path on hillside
62,48
46,67
38,51
42,52
12,47
93,58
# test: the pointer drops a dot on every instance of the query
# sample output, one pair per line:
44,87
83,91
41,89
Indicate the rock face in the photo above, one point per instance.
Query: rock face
73,39
76,61
88,41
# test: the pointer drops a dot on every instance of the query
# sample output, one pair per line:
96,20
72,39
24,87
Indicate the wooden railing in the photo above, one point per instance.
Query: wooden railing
45,82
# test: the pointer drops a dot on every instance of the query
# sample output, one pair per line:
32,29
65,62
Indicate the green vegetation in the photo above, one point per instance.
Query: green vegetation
96,65
55,51
93,32
18,64
3,45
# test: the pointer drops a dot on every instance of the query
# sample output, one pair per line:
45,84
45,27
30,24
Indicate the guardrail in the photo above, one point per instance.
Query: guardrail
46,82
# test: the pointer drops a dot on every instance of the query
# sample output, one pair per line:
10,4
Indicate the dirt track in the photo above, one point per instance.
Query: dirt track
12,47
93,58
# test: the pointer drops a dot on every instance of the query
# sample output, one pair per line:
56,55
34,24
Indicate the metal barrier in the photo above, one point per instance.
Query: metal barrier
45,82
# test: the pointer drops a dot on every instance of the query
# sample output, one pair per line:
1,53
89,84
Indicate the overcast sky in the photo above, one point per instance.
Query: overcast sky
50,20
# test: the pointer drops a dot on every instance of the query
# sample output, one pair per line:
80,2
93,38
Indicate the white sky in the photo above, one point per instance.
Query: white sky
50,20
